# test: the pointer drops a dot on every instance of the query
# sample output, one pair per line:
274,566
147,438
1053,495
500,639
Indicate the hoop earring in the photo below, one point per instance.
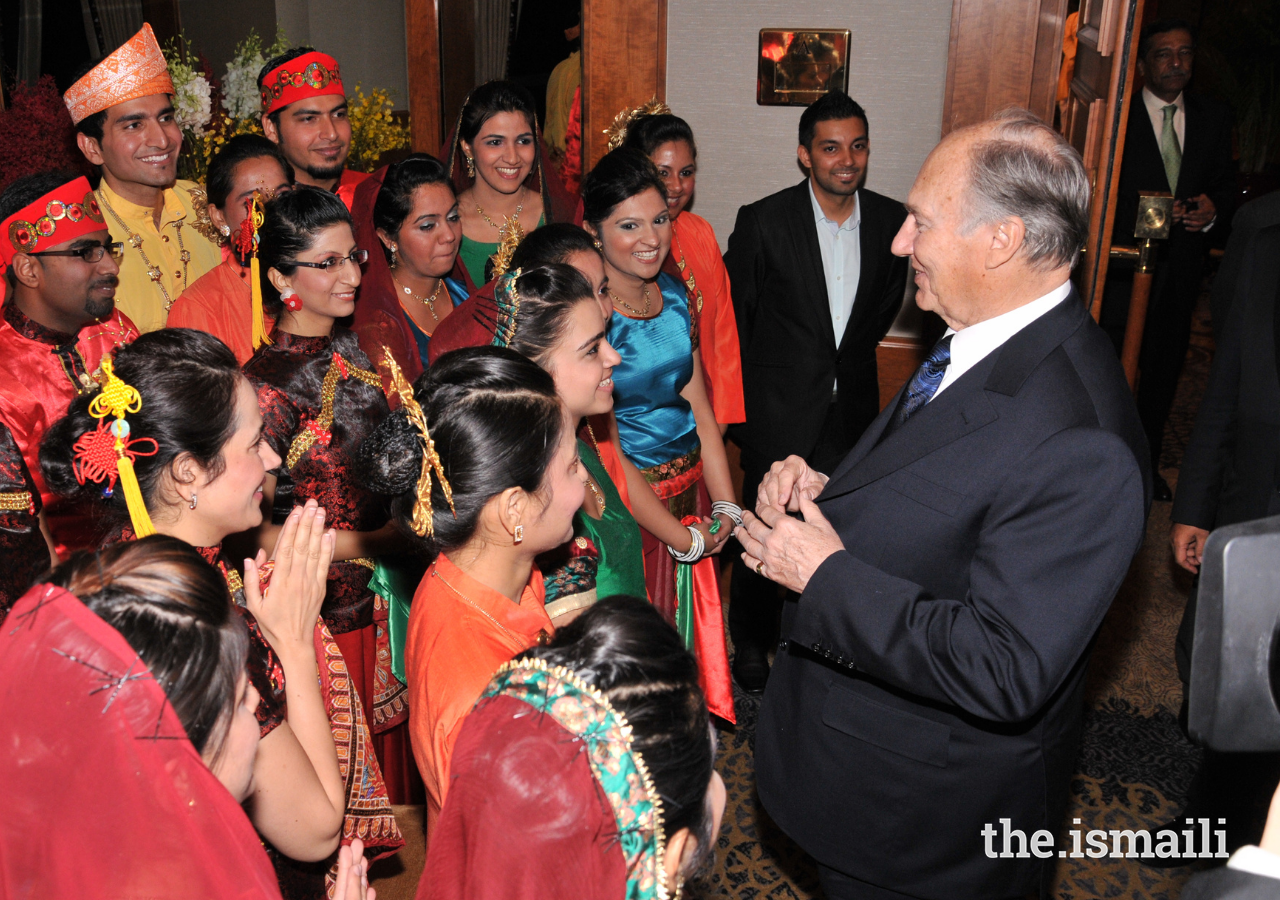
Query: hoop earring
518,534
471,166
192,505
290,300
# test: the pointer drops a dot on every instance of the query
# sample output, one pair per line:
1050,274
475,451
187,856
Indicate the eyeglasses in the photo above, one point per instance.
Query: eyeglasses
358,257
90,253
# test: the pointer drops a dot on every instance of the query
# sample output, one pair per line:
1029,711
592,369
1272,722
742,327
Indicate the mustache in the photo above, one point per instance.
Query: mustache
108,281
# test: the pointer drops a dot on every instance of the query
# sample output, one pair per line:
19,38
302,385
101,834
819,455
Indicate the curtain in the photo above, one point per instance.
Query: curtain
29,37
493,32
113,22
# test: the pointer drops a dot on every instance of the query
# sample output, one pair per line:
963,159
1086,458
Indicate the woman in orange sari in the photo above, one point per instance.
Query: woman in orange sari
219,303
668,142
483,464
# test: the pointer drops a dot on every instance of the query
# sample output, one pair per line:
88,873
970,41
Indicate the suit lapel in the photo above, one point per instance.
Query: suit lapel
1193,139
808,257
964,407
1148,146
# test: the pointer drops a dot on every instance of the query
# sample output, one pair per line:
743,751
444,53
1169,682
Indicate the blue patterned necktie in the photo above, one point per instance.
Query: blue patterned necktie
924,384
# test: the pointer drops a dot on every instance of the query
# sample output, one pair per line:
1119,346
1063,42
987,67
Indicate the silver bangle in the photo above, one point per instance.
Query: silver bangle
696,548
726,508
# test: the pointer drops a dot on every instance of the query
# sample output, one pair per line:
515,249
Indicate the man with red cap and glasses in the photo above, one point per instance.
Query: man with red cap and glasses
123,112
59,320
304,111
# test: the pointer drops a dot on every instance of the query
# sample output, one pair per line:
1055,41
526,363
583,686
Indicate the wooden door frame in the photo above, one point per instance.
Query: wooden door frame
624,64
422,45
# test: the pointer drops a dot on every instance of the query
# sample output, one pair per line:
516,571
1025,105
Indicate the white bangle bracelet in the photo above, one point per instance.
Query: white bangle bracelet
725,508
696,547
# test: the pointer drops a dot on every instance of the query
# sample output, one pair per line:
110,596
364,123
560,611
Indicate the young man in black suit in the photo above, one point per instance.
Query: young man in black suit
815,287
1180,143
953,570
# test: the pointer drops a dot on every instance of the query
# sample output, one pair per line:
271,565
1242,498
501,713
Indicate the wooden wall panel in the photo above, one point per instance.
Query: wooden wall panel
624,63
1003,53
422,33
457,59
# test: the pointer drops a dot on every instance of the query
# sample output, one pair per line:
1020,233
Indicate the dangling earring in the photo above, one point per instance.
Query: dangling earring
599,246
290,300
518,534
471,166
192,505
394,260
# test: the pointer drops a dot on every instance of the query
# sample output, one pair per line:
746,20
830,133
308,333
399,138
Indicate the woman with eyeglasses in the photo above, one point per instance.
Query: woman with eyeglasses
320,396
220,302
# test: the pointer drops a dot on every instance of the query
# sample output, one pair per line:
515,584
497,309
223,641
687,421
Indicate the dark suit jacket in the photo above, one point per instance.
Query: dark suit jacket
790,360
1230,884
933,671
1207,166
1231,469
1248,221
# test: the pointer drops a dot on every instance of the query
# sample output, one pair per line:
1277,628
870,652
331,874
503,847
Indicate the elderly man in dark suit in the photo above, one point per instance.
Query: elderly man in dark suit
1180,143
953,570
815,287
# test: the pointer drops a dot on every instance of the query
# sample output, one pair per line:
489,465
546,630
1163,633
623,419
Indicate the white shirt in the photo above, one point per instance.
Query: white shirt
1251,858
1155,109
841,248
972,345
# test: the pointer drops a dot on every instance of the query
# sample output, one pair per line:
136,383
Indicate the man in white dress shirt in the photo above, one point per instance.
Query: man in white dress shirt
1180,143
953,569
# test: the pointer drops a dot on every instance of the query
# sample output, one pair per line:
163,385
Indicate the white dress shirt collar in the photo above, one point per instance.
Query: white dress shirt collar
971,345
1155,111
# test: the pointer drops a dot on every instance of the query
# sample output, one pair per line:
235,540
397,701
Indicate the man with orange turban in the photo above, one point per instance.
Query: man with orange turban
123,112
59,267
304,111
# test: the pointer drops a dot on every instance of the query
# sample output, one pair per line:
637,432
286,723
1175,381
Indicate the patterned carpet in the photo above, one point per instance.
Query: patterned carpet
1135,764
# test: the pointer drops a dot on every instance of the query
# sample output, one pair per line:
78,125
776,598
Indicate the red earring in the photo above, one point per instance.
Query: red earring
290,300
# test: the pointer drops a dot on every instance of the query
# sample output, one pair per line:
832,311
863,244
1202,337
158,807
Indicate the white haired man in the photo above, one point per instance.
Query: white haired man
953,570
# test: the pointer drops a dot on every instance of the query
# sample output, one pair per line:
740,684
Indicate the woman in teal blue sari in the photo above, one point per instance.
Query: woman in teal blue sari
665,423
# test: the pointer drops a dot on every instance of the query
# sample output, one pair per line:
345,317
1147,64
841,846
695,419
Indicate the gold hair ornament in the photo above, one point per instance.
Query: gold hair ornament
513,234
617,130
423,515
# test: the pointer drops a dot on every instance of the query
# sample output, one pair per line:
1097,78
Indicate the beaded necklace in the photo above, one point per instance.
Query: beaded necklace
135,241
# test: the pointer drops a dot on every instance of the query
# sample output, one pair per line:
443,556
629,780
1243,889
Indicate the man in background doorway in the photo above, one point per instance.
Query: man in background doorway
1179,143
815,287
304,110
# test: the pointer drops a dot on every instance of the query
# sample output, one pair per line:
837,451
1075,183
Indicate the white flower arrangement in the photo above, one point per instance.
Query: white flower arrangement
192,97
240,86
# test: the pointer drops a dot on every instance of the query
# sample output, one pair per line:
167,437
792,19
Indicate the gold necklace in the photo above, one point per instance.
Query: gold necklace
135,241
648,301
502,229
591,482
541,638
428,302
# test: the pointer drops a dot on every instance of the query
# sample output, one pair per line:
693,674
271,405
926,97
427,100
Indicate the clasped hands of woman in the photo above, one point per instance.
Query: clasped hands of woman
288,608
782,548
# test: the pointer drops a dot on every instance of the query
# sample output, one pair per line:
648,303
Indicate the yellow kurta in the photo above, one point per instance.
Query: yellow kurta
142,298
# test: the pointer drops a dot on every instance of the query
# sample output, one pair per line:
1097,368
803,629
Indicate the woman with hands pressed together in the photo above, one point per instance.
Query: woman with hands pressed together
200,471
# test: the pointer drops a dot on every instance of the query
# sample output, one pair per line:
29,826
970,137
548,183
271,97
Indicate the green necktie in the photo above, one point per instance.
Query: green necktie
1170,152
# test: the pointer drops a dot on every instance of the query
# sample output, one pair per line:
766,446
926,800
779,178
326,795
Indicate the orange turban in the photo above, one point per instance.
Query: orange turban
136,69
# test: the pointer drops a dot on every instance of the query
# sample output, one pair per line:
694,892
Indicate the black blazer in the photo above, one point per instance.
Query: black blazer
1231,470
790,360
1248,221
1230,884
1207,166
932,675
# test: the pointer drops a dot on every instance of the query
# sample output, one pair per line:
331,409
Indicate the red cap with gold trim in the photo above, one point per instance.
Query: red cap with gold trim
59,216
313,74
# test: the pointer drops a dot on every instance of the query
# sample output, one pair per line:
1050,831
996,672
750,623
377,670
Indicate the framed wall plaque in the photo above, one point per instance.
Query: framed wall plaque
797,66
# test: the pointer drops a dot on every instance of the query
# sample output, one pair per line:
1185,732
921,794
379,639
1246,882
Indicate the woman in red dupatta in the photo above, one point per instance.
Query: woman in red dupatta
125,769
501,176
695,255
199,470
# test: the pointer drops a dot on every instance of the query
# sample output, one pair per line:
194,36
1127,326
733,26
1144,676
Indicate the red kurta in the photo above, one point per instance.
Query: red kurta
346,189
220,304
694,243
22,546
41,372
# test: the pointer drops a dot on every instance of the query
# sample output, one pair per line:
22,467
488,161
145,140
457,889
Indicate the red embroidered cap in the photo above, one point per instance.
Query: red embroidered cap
59,216
313,74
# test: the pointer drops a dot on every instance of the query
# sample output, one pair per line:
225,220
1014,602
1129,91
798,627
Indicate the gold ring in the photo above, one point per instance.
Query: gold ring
760,568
